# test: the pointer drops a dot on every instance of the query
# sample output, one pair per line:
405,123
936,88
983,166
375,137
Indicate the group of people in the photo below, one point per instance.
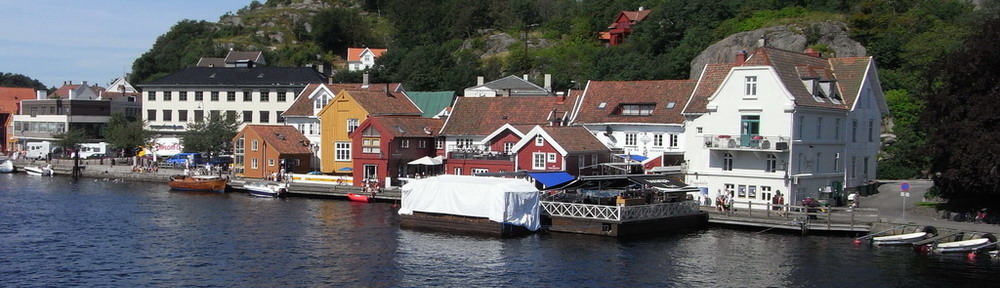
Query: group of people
724,201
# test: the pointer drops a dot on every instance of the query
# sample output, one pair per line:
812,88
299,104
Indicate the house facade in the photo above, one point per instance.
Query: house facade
10,105
560,148
84,108
784,122
622,26
344,114
359,59
509,86
384,145
263,150
497,155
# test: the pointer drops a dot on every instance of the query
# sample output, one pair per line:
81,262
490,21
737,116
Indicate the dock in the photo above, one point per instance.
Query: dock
796,218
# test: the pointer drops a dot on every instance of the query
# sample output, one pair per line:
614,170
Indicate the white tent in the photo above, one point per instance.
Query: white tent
426,160
502,200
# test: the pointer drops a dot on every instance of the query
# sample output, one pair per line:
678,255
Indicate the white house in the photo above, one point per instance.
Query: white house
359,59
781,121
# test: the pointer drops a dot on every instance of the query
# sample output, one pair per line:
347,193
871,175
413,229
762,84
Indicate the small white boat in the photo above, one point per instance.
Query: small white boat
960,246
6,166
900,239
265,189
39,171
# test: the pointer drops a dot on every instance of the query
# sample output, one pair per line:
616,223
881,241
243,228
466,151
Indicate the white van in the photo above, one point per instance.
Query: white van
37,149
88,150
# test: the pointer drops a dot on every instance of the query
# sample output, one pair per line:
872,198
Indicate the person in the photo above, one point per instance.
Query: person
718,201
729,201
852,199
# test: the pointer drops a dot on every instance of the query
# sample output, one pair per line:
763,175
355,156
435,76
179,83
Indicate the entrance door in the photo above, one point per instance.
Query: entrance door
749,129
371,172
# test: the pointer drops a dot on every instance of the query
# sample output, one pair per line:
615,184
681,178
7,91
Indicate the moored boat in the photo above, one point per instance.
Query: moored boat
501,207
39,171
198,183
899,239
359,198
6,166
266,189
960,246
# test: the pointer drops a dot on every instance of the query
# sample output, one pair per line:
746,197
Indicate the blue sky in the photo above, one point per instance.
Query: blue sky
95,41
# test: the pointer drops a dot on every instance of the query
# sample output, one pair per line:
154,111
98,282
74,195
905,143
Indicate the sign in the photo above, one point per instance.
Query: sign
905,186
904,194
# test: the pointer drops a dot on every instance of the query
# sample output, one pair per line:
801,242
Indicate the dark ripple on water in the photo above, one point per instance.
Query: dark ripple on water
55,233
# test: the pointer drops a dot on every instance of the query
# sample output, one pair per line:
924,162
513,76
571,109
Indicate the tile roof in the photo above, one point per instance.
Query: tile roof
850,73
637,16
228,76
302,106
483,115
786,64
711,79
211,62
379,103
283,138
237,56
11,96
403,126
574,138
616,93
432,102
354,54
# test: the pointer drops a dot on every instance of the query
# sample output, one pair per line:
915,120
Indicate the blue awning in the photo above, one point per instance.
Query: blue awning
638,158
550,179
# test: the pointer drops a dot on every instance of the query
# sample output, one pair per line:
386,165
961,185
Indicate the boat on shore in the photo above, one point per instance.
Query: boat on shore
899,239
266,189
359,198
39,171
6,166
212,183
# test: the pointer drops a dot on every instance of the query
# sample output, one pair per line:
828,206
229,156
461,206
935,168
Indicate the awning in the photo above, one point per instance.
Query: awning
346,169
426,160
637,158
658,181
550,179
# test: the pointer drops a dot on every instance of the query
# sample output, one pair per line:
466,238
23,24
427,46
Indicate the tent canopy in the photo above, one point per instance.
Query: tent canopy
550,179
502,200
426,160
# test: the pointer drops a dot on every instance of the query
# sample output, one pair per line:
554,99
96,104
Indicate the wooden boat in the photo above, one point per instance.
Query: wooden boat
960,246
6,166
266,189
39,171
198,183
359,198
899,239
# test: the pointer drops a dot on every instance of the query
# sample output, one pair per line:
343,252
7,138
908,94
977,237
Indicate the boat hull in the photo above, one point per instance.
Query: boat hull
960,246
266,190
358,198
38,171
193,183
6,166
460,225
901,239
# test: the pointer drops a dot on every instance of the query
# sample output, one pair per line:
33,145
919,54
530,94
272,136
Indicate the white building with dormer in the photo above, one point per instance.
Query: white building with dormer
781,121
359,59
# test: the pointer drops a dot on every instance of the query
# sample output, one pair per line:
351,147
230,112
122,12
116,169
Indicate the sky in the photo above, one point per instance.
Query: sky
95,41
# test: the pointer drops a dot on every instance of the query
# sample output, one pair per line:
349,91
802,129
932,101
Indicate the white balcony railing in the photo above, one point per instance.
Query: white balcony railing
619,213
750,142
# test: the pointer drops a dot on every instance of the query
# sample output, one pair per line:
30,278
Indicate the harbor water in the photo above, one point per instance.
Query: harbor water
101,233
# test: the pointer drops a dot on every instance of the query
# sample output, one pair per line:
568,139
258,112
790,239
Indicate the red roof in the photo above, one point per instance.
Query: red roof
574,138
380,103
602,99
11,96
354,54
483,115
406,126
283,138
710,81
303,106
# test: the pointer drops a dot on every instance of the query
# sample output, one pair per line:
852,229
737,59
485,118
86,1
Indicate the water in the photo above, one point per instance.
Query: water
56,233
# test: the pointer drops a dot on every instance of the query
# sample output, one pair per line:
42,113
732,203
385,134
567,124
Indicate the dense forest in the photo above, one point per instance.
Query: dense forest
444,44
18,80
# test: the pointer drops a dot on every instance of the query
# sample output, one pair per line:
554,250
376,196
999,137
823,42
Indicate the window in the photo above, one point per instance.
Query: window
279,118
727,162
199,115
405,143
198,96
630,139
479,171
854,167
741,191
581,161
674,140
538,161
342,151
150,96
636,109
836,129
168,96
282,96
247,96
265,96
215,114
751,85
253,145
865,169
771,163
854,130
593,159
352,124
819,128
270,162
371,145
182,115
539,140
658,140
552,158
799,127
765,193
836,162
230,96
871,130
183,95
215,96
265,116
458,171
150,114
239,145
253,163
421,143
247,116
816,165
752,192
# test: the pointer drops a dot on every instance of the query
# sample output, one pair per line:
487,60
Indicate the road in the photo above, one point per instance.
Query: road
890,205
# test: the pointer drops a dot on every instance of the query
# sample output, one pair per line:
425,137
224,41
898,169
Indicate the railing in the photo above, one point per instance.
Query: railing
755,142
817,216
619,213
480,155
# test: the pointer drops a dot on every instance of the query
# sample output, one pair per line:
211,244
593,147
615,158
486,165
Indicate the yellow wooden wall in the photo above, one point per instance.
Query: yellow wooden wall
333,128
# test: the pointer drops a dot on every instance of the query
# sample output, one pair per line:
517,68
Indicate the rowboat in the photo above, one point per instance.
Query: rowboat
899,239
266,189
198,183
39,171
358,197
960,246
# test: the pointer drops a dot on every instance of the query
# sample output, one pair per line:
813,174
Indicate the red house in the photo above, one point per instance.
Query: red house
498,156
267,149
622,26
572,149
383,147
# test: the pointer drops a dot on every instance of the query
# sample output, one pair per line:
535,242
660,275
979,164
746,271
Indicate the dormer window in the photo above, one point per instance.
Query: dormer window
636,109
602,105
539,140
751,85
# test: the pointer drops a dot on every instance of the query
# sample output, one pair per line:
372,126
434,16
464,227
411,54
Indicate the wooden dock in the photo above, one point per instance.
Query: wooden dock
796,218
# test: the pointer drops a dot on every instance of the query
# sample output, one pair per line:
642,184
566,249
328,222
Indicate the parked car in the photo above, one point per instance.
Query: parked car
180,159
223,161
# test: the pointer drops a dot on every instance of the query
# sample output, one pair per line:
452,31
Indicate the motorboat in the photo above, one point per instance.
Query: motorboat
266,189
212,183
899,239
960,246
6,166
39,171
359,198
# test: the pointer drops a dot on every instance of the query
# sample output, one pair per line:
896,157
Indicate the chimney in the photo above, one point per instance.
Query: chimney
525,77
548,83
40,94
762,42
479,81
364,80
641,8
813,53
741,57
562,97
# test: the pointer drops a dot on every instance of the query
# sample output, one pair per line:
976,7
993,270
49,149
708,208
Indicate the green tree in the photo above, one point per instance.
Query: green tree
128,134
336,29
212,136
182,46
69,139
18,80
963,126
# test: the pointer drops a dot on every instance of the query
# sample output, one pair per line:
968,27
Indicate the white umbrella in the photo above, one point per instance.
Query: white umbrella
426,160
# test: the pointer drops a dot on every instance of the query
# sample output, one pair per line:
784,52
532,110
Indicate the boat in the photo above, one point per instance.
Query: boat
359,198
39,171
899,239
960,246
502,207
6,166
266,189
198,183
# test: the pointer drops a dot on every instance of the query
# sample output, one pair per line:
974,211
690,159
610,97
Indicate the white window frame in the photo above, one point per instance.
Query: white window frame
631,139
404,143
539,140
253,145
751,85
581,161
658,140
342,151
551,158
253,163
270,162
674,140
538,161
352,124
727,162
475,171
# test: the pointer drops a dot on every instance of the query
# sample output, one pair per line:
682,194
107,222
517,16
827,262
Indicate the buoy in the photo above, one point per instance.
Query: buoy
857,242
971,256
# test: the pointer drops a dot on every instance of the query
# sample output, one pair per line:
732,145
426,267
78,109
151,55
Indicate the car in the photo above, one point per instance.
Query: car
221,161
183,158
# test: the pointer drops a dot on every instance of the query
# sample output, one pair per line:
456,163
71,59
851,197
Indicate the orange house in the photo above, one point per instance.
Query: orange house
9,106
263,150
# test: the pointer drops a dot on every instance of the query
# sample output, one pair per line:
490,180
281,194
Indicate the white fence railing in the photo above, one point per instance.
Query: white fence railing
619,213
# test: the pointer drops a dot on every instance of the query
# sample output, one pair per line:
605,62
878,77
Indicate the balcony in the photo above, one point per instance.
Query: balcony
480,155
746,142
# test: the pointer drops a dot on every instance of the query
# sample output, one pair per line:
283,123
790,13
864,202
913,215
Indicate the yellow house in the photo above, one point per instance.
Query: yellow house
346,112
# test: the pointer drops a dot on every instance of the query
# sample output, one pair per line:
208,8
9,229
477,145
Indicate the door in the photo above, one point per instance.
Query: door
749,130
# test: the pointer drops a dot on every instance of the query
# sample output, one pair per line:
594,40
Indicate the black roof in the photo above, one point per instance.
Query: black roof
227,76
